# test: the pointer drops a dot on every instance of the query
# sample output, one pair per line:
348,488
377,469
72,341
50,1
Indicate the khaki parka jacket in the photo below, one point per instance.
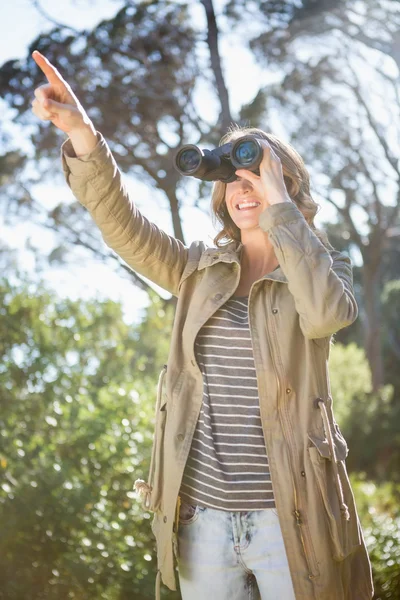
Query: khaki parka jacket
293,312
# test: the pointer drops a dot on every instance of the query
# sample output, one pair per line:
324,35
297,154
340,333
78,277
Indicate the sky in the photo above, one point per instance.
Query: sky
21,22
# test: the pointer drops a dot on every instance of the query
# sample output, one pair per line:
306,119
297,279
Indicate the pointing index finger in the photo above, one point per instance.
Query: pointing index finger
53,76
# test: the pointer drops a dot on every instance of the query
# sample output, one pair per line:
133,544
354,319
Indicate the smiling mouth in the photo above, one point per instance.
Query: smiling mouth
247,205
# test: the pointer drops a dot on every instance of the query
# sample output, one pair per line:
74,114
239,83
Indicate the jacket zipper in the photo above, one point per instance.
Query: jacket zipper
303,529
313,570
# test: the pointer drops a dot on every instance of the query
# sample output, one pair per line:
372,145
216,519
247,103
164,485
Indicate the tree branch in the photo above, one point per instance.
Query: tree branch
212,41
345,212
373,124
44,14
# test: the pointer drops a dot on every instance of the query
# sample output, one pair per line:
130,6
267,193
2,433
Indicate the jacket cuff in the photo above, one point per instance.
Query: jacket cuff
279,214
86,164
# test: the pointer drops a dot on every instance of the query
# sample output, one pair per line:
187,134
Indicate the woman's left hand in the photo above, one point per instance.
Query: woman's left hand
269,184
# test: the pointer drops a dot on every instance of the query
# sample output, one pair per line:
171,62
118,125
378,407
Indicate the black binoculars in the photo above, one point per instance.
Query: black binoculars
221,163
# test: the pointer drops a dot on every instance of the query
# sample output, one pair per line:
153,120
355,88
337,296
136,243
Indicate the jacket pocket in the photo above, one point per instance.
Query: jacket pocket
336,494
152,490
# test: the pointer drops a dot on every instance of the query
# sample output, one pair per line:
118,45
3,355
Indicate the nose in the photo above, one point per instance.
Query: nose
244,184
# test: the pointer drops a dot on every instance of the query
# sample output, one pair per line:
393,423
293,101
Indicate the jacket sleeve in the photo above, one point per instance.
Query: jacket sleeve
96,182
320,281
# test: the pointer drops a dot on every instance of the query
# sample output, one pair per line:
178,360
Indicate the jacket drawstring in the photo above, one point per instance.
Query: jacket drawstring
158,585
144,491
142,488
338,484
177,511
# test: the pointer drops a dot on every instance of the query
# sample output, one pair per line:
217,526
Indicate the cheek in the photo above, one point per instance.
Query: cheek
226,199
227,205
228,193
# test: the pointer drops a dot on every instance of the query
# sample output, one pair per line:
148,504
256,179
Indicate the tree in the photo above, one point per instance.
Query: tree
149,53
391,334
318,91
77,403
135,75
324,52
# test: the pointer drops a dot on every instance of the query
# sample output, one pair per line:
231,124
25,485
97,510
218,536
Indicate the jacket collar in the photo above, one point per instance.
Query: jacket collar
231,253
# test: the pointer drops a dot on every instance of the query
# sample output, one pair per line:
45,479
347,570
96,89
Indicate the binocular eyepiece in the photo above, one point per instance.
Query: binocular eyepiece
220,163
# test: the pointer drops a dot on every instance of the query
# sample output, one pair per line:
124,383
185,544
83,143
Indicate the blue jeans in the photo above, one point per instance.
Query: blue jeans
232,555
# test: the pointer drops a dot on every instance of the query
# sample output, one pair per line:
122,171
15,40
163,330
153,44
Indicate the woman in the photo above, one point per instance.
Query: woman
248,481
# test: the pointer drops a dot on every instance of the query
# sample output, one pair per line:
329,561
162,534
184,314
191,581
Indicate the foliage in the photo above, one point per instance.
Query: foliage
365,417
77,399
378,507
391,332
350,377
369,424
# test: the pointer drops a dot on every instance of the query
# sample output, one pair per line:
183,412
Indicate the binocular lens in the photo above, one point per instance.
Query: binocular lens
246,153
189,160
220,163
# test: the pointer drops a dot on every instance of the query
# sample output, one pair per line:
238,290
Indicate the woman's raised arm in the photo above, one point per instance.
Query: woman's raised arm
96,182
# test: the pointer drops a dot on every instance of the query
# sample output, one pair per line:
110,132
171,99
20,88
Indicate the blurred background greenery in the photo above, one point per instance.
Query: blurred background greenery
77,379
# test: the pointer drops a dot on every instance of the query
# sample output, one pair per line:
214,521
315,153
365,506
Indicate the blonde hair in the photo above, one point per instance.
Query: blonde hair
296,178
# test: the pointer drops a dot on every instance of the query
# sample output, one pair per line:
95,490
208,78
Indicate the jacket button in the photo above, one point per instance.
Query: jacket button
217,296
180,437
274,310
165,519
288,390
303,473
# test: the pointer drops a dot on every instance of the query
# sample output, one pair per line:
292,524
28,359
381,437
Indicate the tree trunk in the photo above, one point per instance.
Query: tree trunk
176,219
372,303
212,41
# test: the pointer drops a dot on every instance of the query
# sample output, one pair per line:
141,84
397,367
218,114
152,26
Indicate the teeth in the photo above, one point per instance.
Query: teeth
243,204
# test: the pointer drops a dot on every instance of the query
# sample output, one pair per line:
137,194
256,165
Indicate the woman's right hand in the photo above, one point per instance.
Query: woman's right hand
56,102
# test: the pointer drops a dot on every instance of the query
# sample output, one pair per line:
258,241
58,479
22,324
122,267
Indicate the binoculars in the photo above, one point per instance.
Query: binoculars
220,163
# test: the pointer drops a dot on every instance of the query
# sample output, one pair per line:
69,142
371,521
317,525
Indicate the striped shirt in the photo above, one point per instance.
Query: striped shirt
227,467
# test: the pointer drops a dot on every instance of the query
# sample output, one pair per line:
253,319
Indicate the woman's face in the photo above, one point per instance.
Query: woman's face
243,203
